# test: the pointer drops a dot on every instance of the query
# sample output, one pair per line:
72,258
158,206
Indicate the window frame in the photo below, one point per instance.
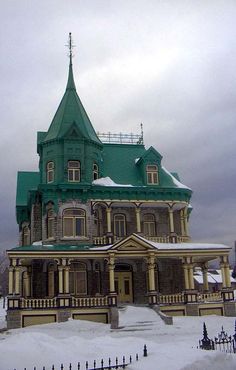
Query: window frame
117,225
148,224
77,269
73,171
73,226
95,171
152,174
50,172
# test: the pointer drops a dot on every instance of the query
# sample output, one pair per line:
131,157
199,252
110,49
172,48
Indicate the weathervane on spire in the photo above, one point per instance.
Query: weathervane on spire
70,46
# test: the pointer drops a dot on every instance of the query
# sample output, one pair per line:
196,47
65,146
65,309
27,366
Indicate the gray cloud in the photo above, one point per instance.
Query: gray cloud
170,65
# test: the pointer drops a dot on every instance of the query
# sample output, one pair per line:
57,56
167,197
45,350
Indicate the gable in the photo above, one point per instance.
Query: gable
133,243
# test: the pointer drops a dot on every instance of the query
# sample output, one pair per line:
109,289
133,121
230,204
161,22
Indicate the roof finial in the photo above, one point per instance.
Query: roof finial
70,46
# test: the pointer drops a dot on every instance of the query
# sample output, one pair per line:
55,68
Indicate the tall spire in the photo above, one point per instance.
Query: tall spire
70,82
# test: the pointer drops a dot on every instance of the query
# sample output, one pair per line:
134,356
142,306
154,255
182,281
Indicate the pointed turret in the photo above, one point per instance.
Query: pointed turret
71,113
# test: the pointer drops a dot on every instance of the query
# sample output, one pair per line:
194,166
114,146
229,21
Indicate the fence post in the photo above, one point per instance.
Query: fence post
145,350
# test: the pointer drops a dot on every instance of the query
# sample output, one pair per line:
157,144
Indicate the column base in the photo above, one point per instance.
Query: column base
190,296
13,302
152,298
109,238
227,294
112,299
64,300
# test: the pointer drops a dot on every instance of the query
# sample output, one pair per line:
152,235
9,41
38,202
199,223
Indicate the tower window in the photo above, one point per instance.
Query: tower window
119,225
50,172
95,171
152,176
149,227
74,171
74,221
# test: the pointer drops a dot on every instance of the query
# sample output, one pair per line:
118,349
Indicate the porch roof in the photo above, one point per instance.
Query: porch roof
53,247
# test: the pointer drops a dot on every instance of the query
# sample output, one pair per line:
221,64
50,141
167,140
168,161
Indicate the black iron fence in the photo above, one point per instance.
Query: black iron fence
117,363
222,342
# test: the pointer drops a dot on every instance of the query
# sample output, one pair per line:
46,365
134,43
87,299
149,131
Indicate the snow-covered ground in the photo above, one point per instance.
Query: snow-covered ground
169,347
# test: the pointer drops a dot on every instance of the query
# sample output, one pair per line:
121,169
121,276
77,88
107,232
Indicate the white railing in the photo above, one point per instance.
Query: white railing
209,297
158,239
89,301
38,302
171,298
99,240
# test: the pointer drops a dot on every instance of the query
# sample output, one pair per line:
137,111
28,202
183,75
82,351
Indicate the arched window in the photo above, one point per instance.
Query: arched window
149,225
119,225
95,171
74,221
50,172
78,278
25,235
50,224
74,171
152,176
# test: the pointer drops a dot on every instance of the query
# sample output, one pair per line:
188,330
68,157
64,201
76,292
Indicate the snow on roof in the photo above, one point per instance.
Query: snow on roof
175,181
212,277
107,181
186,245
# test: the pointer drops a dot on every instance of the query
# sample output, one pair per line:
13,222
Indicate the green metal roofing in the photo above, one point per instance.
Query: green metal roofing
71,112
55,247
119,162
26,181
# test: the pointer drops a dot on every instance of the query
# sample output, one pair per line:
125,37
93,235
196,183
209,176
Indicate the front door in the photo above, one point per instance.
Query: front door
123,286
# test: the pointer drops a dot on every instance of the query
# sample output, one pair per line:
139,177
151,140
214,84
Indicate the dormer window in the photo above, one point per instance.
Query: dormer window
50,172
152,176
95,171
74,171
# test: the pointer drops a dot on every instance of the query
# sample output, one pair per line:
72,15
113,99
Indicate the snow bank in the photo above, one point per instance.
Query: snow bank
168,346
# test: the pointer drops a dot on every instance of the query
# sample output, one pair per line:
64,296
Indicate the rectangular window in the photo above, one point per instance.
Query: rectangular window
79,227
68,226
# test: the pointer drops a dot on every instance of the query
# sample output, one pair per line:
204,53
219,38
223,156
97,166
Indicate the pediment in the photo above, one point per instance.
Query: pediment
132,243
73,132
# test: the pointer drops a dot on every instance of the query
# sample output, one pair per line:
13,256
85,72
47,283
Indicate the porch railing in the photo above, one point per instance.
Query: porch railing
209,297
89,301
102,240
38,302
171,298
179,298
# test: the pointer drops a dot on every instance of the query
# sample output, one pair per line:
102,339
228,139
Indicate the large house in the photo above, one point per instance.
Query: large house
103,223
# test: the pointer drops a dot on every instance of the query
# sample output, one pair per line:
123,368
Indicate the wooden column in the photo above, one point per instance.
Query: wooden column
108,214
138,221
182,225
205,277
152,294
171,220
112,299
186,220
186,277
66,279
61,279
11,280
190,275
17,280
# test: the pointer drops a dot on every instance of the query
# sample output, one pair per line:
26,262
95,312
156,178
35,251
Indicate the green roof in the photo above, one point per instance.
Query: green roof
119,162
53,247
26,181
71,113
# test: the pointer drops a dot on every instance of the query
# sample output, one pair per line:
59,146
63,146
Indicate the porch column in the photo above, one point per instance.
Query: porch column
112,299
61,279
108,214
205,278
171,220
186,277
66,279
190,274
17,280
182,222
152,294
11,280
186,220
222,267
227,276
138,221
227,291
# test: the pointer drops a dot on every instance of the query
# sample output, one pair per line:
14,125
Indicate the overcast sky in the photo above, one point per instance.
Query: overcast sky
168,64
